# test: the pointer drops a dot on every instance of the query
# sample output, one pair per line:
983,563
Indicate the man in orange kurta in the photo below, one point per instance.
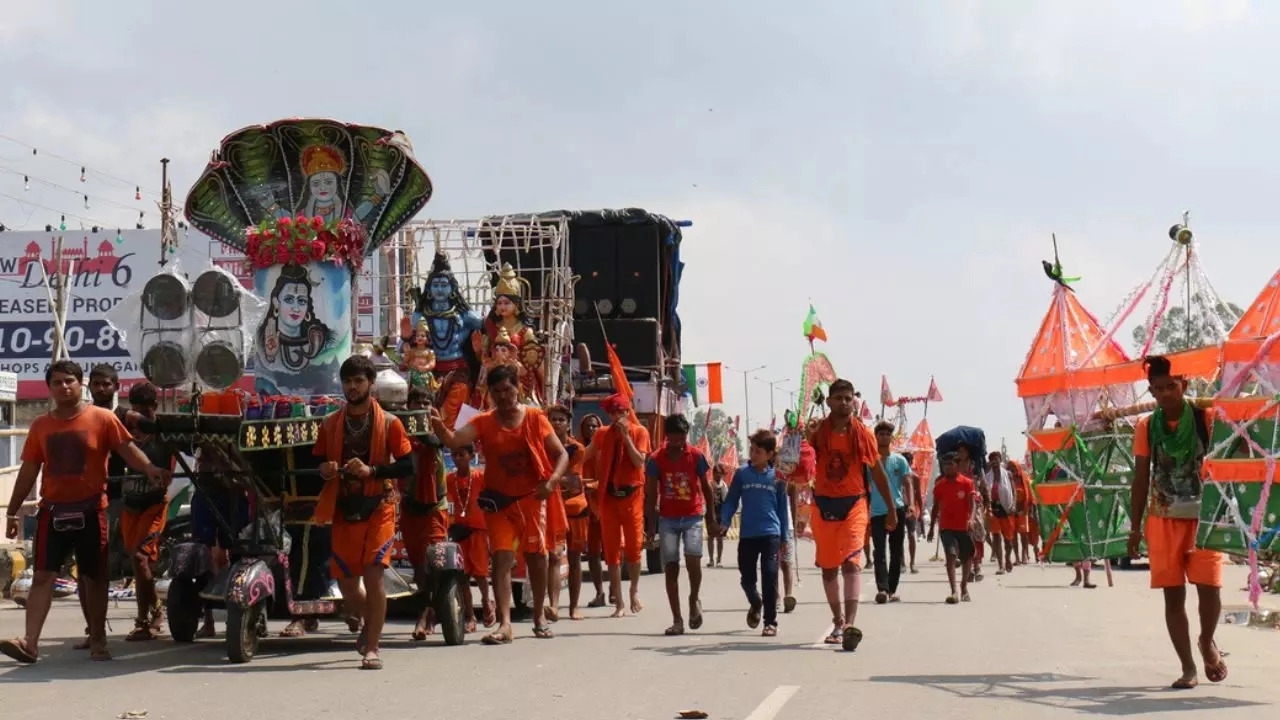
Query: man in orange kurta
594,544
365,450
524,462
619,452
424,509
468,529
577,516
846,456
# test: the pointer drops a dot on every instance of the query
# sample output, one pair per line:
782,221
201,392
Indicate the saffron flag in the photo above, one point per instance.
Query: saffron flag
621,384
886,397
934,394
704,383
813,326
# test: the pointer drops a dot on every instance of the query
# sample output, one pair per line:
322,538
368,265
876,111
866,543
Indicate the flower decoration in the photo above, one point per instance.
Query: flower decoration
300,240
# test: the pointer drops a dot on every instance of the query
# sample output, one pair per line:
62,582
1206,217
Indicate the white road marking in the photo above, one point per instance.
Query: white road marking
772,705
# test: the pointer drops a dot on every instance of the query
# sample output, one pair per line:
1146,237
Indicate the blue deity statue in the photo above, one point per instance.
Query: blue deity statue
451,324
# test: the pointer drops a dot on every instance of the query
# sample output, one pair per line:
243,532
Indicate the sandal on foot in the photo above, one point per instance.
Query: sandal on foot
695,615
952,599
769,631
543,632
141,632
835,636
552,614
597,602
418,635
753,617
850,639
497,638
1216,672
362,642
490,614
371,663
675,629
17,649
354,624
292,630
100,654
788,604
1184,683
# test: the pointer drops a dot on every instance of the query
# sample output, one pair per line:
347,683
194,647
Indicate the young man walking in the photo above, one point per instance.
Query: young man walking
955,504
1002,515
142,523
69,447
619,452
846,459
888,542
467,528
1169,446
764,529
678,483
915,518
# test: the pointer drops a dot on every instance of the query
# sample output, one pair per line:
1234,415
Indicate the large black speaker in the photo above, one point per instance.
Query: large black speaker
639,283
635,341
593,255
618,270
530,264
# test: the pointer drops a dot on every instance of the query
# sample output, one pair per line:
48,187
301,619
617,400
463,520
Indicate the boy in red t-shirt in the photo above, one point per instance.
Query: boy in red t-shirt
954,504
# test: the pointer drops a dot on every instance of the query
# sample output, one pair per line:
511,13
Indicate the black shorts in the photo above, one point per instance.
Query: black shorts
58,539
959,543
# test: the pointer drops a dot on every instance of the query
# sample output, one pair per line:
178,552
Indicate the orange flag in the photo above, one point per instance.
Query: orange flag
620,383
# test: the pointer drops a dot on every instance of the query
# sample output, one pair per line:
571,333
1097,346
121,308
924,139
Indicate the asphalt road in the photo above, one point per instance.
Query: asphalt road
1027,645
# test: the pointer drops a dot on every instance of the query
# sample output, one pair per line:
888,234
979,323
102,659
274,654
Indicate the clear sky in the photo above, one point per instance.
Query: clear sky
902,165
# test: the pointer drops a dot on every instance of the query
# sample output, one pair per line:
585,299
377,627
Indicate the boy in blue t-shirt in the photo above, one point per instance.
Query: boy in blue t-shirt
899,472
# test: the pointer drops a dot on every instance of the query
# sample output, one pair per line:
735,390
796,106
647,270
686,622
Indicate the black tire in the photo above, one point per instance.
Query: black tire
518,598
448,607
243,632
184,608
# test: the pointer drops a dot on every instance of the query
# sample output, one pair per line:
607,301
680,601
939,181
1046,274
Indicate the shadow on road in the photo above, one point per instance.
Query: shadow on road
722,648
1095,699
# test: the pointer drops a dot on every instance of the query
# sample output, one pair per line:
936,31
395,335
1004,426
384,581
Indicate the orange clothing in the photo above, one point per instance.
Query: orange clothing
842,458
420,531
73,454
557,522
516,461
575,499
1006,527
595,534
140,531
839,541
356,545
464,498
568,506
1175,561
579,537
622,528
612,464
521,526
475,554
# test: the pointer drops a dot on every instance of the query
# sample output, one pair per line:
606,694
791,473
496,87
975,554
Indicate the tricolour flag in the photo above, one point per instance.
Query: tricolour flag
704,383
813,327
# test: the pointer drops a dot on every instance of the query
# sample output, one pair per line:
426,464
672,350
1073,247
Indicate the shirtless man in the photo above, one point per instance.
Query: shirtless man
619,452
587,428
846,457
365,451
577,515
1169,446
69,446
424,510
524,464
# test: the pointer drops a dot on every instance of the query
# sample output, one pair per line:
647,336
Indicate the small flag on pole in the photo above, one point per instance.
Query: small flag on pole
704,383
934,394
813,326
886,397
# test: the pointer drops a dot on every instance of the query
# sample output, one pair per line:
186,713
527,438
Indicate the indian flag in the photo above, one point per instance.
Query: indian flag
704,383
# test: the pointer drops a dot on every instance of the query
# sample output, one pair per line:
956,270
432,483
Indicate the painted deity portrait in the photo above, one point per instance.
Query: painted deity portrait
303,336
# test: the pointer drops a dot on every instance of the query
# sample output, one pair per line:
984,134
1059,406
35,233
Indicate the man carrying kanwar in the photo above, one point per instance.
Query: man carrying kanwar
365,451
846,458
619,452
524,463
424,509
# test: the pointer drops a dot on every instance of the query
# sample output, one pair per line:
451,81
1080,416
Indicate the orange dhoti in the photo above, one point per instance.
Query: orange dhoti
839,541
140,530
1175,561
475,554
1005,527
521,525
418,531
557,523
578,515
622,528
357,545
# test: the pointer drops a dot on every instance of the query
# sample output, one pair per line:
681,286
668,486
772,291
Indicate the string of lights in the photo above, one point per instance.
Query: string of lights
85,170
28,179
66,214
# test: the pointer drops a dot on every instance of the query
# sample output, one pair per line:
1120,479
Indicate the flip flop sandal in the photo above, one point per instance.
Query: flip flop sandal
695,616
1217,672
362,642
788,604
311,625
373,663
834,637
17,649
596,603
552,614
141,632
769,631
753,618
543,633
497,638
953,600
354,624
850,639
965,598
292,631
676,629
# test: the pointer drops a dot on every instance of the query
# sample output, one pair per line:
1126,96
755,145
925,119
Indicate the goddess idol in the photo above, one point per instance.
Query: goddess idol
508,317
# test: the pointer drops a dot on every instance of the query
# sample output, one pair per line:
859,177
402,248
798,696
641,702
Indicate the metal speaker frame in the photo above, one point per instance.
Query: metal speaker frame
215,294
164,365
218,365
165,297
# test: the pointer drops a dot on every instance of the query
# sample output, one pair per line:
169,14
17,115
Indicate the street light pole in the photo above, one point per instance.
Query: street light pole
771,384
746,394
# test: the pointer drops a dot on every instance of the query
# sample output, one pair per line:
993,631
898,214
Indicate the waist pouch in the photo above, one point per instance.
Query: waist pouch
459,532
492,501
835,509
138,502
623,492
358,508
71,517
413,507
998,510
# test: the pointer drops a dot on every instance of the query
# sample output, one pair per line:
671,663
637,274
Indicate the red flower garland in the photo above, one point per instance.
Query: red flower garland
300,240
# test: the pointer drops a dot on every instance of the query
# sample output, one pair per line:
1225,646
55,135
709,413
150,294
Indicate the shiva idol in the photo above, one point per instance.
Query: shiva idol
451,325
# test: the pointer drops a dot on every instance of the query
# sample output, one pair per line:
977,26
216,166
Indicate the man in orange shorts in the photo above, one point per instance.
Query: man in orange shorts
620,451
524,463
557,520
846,457
1002,513
577,513
467,528
424,509
587,428
365,450
146,506
1169,446
1026,511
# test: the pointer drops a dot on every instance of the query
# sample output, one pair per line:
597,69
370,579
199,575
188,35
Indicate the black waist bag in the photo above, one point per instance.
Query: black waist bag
138,502
624,492
492,501
459,532
358,508
835,509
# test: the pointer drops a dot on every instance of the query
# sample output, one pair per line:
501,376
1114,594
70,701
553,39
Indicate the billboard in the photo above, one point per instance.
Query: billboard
107,266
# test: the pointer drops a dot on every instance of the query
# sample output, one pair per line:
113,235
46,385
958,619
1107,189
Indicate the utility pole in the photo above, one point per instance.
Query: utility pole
746,394
772,384
168,232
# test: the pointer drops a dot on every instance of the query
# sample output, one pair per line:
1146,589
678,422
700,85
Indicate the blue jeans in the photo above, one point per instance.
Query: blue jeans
761,551
678,531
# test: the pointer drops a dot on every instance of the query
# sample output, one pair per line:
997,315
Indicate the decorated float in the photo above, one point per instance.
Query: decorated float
1082,396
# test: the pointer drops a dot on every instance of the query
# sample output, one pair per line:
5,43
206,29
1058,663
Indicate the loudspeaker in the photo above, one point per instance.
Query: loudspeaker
530,264
593,255
639,281
635,341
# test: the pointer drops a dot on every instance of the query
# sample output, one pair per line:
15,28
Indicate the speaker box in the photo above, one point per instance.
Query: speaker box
635,341
639,282
619,263
530,264
593,255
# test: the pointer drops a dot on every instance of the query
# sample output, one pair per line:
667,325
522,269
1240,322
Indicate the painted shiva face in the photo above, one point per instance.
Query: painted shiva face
291,305
439,289
324,187
504,307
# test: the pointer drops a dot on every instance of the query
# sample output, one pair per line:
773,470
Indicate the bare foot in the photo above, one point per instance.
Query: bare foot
636,607
206,631
490,614
619,611
471,625
575,613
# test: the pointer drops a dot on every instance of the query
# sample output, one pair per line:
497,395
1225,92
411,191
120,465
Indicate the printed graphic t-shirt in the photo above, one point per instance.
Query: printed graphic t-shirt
73,453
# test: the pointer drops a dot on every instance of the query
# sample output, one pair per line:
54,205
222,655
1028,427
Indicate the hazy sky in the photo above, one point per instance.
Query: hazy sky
902,165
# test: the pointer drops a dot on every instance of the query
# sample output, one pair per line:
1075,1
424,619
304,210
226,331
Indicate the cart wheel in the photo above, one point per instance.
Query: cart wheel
243,632
183,607
448,607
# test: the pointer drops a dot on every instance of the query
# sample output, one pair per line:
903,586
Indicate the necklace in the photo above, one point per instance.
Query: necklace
354,428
